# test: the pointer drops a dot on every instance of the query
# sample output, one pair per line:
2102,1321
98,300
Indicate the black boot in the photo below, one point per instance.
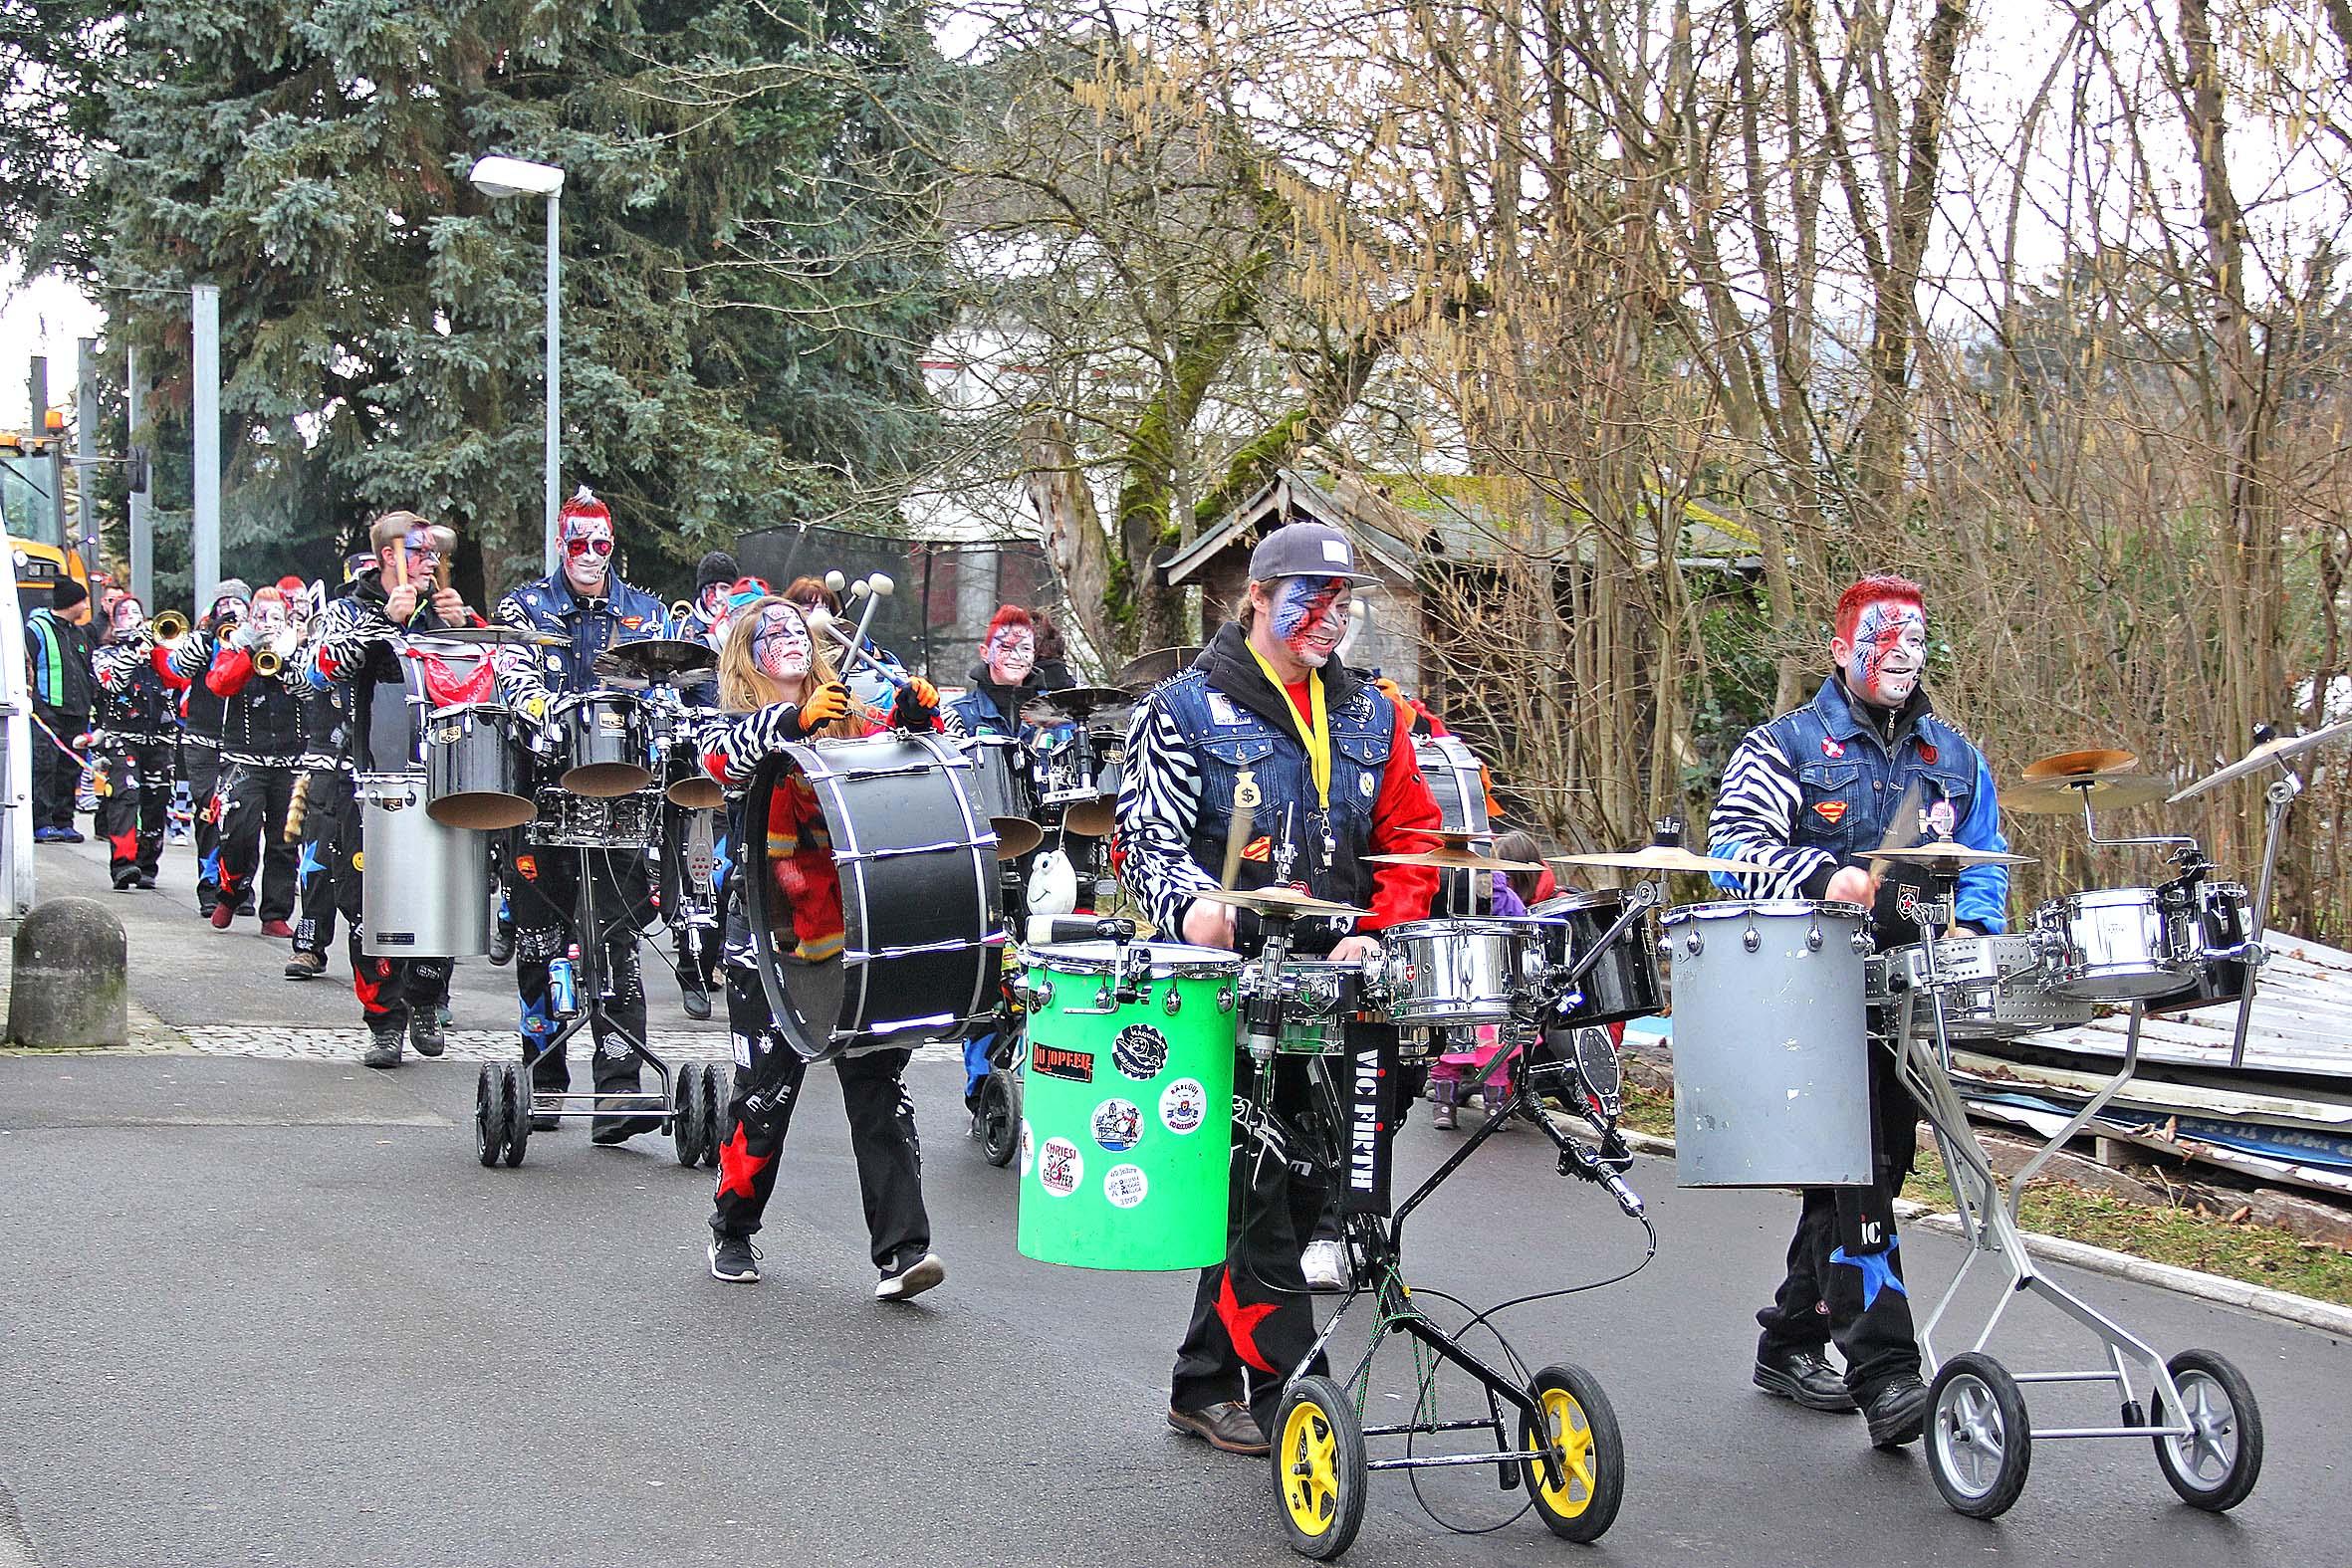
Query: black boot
1898,1412
1804,1374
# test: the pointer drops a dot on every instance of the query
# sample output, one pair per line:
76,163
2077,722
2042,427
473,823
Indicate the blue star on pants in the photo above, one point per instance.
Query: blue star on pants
208,869
310,865
1878,1272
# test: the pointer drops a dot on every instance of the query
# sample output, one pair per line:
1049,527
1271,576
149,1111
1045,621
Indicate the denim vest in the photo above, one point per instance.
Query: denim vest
1849,784
625,614
1227,738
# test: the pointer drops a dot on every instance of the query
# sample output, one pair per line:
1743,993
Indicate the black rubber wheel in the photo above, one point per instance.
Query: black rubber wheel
1000,1124
2217,1463
686,1114
1584,1432
1320,1479
514,1093
717,1088
489,1117
1980,1442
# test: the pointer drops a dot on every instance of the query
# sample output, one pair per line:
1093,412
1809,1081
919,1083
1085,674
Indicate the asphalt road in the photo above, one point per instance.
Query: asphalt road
265,1311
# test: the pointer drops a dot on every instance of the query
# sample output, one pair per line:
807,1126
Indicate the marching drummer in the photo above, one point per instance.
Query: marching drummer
588,608
358,647
1810,795
1333,778
776,686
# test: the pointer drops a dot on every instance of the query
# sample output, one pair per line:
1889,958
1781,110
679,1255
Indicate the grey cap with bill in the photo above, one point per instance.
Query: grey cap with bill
1305,549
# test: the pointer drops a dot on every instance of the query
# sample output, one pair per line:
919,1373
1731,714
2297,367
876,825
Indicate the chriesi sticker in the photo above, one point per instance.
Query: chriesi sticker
1060,1169
1126,1185
1183,1105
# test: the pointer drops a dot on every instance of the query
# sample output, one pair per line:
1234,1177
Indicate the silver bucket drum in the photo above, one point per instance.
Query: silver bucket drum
1772,1071
2116,945
424,887
473,768
1454,971
1994,989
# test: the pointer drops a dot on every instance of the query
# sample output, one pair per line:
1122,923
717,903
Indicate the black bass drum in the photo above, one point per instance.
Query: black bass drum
923,926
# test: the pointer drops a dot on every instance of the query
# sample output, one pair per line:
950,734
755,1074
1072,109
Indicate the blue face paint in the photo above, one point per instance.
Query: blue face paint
1310,617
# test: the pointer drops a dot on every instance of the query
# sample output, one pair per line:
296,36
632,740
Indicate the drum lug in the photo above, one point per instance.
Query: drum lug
1102,998
1861,941
1751,939
1812,938
1692,944
1225,999
1172,1000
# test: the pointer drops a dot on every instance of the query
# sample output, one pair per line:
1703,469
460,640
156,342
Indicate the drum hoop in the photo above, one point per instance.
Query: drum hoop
2102,898
1460,925
1063,958
467,709
1737,908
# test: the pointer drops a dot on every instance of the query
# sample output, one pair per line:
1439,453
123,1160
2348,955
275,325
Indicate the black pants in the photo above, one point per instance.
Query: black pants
388,989
255,801
1844,1279
320,865
701,948
55,775
202,760
136,804
1252,1319
767,1087
542,893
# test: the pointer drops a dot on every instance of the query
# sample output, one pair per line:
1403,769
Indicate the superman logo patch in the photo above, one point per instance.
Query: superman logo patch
1831,812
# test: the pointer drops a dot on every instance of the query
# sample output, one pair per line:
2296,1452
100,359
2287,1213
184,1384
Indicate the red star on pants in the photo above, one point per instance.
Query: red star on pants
738,1164
1240,1322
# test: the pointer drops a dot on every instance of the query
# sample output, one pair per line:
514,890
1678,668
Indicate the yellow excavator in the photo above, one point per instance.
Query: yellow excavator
33,505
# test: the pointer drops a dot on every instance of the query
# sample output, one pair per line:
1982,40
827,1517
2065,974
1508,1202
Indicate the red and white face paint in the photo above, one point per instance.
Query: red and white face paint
269,618
1310,615
1889,651
781,647
1010,655
588,551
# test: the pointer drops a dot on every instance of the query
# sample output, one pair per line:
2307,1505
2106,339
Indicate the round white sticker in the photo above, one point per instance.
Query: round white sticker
1126,1185
1183,1104
1119,1125
1060,1169
1028,1153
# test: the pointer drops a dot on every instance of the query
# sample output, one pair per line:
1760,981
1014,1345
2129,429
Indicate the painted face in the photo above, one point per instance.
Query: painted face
269,619
1310,616
588,552
128,615
228,608
1890,648
1010,655
712,601
781,647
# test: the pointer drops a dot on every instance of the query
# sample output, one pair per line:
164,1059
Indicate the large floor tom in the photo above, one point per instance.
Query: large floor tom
1996,988
2115,945
606,749
473,768
1772,1073
424,886
1624,983
1005,789
1454,971
1127,1129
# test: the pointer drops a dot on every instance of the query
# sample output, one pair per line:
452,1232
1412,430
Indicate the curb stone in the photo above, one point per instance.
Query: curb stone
2284,1305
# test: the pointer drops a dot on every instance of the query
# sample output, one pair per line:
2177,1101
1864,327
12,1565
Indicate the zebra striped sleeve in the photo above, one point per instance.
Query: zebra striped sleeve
1754,818
1159,801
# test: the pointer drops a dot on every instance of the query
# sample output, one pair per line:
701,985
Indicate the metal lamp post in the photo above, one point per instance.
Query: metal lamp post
497,176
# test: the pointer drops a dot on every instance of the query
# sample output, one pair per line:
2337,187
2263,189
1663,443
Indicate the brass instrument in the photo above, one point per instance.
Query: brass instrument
298,806
268,661
169,629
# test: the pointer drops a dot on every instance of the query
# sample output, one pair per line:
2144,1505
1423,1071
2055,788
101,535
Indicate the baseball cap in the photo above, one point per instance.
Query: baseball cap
1305,549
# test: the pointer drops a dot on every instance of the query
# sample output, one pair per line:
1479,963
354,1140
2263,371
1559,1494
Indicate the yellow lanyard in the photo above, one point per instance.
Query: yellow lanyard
1315,736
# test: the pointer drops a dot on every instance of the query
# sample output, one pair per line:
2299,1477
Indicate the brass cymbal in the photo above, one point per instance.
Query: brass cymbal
1942,852
1661,857
1279,901
2064,797
1447,858
2264,756
2073,765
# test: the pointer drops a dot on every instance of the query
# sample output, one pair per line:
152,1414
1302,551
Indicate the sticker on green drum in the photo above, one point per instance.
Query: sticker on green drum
1128,1105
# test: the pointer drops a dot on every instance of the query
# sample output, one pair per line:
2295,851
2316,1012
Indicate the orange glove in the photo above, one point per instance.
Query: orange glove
921,693
1391,690
829,704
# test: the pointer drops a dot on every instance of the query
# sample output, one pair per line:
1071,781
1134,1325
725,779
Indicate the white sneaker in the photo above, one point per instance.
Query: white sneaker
1325,1265
912,1281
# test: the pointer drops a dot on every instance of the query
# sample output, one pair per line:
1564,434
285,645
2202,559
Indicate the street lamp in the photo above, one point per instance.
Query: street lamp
495,176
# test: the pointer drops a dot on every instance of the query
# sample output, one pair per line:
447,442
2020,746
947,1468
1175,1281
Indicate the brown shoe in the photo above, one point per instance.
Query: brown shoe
1228,1428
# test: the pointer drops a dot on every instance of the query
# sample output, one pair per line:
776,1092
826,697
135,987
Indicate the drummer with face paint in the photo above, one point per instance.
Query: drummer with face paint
1809,794
1335,779
776,687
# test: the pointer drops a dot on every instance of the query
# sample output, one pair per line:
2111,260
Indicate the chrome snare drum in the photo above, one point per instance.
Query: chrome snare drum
1624,983
2216,932
584,821
1448,972
1772,1069
2116,945
1996,988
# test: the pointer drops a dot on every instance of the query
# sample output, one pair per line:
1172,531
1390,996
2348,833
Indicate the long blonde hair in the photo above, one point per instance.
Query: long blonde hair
744,687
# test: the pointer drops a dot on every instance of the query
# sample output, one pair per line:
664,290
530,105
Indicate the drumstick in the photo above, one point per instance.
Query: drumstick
877,589
399,563
444,541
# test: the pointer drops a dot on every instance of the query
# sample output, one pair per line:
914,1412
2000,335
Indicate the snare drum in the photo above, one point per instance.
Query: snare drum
606,749
1319,997
1002,787
473,770
2116,945
1771,1068
424,891
584,821
1454,971
1624,983
1994,989
2216,934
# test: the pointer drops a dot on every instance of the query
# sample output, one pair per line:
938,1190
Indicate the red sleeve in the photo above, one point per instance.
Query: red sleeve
1404,816
231,668
161,658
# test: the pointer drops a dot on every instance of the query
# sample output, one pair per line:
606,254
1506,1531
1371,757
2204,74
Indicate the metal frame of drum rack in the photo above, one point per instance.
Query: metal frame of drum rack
1979,1437
1317,1416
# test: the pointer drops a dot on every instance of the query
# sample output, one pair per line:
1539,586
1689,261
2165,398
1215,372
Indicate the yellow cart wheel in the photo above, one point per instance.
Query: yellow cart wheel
1576,1501
1319,1477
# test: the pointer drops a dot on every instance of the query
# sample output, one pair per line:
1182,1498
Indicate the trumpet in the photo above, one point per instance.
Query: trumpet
268,661
169,629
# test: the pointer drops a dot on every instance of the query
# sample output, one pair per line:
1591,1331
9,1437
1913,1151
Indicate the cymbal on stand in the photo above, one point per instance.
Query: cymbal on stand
2064,795
1942,852
2074,765
2264,756
1279,901
1447,858
1660,857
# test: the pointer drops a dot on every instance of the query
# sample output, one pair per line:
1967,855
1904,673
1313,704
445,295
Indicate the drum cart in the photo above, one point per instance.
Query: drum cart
2200,1415
1566,1449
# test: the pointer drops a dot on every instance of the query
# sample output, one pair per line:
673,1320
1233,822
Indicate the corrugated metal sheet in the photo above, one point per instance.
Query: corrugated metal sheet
2302,1022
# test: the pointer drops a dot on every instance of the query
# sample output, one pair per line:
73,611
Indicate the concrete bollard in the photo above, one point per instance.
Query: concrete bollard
72,984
